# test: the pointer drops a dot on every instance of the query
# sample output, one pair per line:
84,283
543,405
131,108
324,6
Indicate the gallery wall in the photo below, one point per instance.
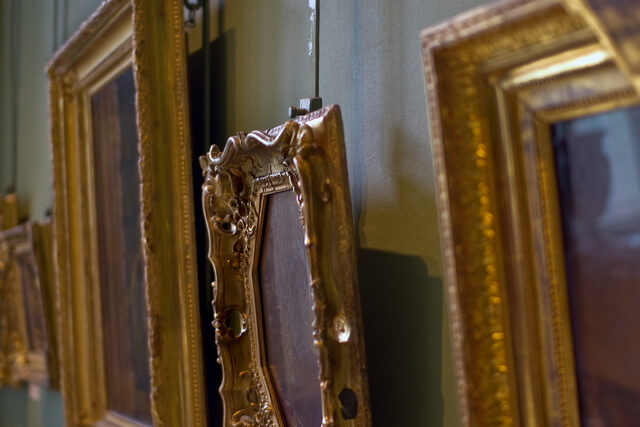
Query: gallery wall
370,65
30,31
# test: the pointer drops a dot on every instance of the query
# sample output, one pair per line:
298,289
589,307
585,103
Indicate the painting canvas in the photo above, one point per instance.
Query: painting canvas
31,298
291,356
124,309
598,172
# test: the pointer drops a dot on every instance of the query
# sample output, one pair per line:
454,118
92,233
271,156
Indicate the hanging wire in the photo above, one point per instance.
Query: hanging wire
314,103
55,26
65,17
15,87
317,42
206,49
190,22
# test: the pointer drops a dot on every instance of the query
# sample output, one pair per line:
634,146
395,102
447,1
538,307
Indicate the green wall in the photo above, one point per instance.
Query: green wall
30,31
369,64
17,409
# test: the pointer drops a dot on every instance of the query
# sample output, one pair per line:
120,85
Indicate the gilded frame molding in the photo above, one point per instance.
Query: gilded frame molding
8,219
41,238
496,79
147,36
306,155
28,245
8,211
13,333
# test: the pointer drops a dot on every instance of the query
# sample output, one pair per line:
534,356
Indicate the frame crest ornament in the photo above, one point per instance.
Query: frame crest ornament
305,155
497,78
148,37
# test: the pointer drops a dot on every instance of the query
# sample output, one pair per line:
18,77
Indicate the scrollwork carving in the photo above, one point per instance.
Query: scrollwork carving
293,156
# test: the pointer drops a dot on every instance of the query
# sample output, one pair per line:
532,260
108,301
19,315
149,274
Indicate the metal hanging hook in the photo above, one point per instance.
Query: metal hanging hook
193,6
190,22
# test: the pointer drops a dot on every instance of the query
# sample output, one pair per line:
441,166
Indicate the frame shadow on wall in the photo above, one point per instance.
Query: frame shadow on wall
402,314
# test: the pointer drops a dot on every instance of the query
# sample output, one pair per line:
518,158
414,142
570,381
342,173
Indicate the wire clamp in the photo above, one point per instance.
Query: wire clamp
190,22
307,105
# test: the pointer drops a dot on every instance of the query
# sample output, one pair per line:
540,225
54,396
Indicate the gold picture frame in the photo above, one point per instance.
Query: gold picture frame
147,38
41,233
305,156
10,337
13,343
8,211
497,78
28,305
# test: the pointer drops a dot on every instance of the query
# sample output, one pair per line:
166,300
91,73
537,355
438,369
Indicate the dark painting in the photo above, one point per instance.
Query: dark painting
291,356
598,170
124,310
34,315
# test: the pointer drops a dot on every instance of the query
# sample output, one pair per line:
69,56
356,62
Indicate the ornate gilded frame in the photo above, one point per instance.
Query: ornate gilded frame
147,35
306,155
28,246
496,79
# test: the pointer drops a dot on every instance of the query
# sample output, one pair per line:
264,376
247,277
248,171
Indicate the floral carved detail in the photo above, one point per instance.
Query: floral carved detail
259,412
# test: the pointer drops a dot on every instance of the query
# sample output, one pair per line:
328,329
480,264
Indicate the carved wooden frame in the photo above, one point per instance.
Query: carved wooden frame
148,36
306,155
31,244
496,79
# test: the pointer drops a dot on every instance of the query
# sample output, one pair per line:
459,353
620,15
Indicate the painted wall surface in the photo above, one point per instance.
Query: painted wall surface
30,31
370,65
262,61
6,100
40,408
